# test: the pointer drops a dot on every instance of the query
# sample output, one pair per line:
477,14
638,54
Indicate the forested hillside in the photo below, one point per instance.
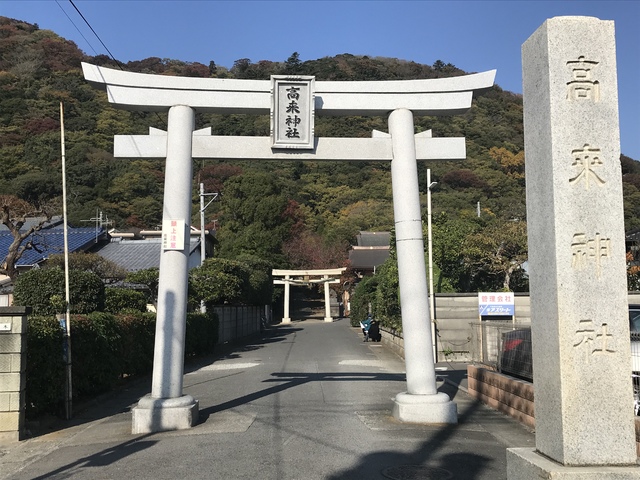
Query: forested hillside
297,214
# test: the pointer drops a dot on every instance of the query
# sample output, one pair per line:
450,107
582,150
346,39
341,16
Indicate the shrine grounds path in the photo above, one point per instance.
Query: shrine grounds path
304,401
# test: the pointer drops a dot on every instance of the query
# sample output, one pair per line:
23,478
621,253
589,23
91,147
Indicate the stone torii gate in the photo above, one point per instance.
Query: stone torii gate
292,103
302,277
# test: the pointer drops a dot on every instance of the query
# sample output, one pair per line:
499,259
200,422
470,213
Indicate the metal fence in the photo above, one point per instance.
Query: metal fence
506,347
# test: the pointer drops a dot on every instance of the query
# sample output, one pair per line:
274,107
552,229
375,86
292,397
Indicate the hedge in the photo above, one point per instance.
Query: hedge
44,291
104,349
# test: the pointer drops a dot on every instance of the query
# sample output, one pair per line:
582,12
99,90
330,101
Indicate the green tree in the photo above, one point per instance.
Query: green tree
448,238
107,270
42,289
496,255
219,281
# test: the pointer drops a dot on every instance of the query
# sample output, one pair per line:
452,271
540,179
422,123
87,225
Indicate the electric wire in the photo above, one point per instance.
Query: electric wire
118,63
76,27
94,32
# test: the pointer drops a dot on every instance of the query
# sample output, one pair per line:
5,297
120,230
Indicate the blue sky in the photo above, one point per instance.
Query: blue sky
473,35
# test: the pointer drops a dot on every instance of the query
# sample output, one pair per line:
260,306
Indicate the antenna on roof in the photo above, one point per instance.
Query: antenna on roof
100,222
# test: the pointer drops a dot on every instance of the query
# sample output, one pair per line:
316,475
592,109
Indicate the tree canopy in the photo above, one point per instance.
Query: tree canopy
291,214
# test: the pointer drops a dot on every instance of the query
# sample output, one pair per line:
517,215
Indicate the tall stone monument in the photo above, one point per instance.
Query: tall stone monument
579,320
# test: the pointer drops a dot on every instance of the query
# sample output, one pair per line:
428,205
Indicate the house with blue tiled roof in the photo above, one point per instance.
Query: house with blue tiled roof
49,241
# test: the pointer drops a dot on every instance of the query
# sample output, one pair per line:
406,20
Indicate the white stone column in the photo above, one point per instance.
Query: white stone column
579,318
327,300
287,298
167,408
422,402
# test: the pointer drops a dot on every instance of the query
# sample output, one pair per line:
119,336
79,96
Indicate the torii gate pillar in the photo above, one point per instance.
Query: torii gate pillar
421,403
166,408
327,300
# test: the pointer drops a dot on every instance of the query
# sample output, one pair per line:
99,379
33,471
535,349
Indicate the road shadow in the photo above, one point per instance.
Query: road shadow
103,458
124,396
432,460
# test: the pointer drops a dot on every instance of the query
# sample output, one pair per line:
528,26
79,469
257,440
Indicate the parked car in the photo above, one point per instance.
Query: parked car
515,355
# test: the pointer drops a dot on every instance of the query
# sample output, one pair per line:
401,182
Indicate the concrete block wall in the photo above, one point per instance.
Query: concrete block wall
455,312
237,321
13,363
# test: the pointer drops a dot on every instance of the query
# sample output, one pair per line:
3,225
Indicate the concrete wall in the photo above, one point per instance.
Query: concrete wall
13,365
456,312
237,321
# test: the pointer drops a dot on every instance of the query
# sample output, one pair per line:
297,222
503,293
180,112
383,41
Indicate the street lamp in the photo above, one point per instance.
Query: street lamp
431,184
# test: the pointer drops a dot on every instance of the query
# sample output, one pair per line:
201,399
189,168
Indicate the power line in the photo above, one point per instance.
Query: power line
76,27
100,40
94,32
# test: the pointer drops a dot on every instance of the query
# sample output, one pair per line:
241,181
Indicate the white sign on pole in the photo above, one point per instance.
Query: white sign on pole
292,111
173,234
496,303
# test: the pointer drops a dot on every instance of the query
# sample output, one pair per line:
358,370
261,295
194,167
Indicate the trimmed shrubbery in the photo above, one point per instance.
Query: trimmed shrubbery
112,335
105,348
43,290
119,300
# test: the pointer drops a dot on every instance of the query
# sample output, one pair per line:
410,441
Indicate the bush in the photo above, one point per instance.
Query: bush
202,333
387,303
104,349
95,353
120,300
42,290
137,334
45,366
363,295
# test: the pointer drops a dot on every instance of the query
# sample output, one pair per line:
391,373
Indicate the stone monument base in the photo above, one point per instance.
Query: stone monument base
436,408
164,414
526,463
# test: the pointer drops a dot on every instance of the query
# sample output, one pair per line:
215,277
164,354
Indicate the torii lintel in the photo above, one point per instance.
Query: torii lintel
148,92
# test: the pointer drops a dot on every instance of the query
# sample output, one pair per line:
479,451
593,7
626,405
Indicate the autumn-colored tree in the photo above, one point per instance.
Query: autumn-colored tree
510,163
309,251
14,213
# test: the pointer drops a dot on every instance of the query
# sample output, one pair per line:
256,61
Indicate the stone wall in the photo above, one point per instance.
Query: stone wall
13,363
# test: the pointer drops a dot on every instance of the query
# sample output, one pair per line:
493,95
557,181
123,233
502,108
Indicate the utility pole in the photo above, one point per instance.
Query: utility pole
203,207
432,311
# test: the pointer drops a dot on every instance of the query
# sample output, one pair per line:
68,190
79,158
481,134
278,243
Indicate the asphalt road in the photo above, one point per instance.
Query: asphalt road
305,401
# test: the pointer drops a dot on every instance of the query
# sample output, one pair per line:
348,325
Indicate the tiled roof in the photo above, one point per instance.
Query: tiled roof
367,258
50,241
30,221
134,255
373,239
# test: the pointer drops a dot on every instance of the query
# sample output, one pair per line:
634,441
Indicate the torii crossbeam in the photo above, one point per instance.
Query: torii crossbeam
167,408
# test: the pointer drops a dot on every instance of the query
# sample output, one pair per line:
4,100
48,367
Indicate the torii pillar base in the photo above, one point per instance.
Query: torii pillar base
164,414
437,408
286,320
